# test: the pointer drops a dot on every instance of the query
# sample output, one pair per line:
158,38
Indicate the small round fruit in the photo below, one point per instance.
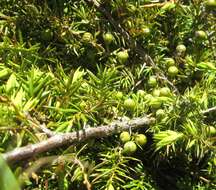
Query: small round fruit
141,93
125,137
160,113
155,103
148,97
165,91
212,130
108,38
156,92
119,95
87,37
201,35
173,71
130,147
47,35
129,104
152,81
169,61
181,48
211,4
122,56
140,139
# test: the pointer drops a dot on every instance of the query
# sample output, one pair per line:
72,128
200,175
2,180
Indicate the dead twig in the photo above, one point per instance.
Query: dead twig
209,110
42,127
77,136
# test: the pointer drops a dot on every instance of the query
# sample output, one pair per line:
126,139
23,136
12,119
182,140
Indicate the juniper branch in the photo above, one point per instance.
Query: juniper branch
131,43
75,137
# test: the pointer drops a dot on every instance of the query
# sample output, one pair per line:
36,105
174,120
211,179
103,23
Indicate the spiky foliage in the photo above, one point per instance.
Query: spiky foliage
57,71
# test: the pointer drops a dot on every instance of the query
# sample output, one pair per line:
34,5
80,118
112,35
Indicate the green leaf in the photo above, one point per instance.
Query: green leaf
7,179
165,138
206,66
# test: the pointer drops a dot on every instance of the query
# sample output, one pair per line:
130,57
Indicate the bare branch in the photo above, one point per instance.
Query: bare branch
41,127
209,110
78,136
44,129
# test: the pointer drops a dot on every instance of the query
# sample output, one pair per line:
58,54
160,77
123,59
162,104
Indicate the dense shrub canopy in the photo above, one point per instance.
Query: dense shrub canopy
78,65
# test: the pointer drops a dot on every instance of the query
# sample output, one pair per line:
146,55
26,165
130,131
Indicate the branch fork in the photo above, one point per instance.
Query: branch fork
78,136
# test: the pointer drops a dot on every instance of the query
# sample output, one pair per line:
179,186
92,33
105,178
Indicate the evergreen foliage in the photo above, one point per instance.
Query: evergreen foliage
69,65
